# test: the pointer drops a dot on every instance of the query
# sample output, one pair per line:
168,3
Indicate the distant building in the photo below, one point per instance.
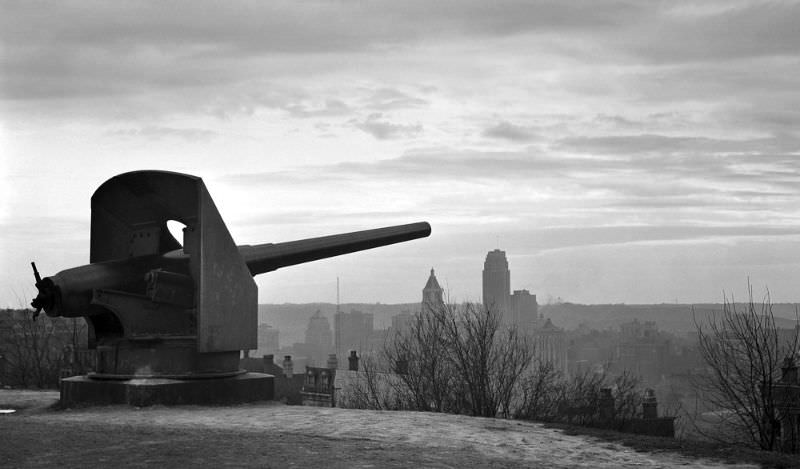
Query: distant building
432,295
318,387
319,338
590,350
551,346
523,309
787,397
636,330
432,300
401,322
519,308
354,331
496,281
643,350
268,340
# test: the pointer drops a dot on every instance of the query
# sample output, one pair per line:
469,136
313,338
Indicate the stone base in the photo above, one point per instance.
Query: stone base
246,387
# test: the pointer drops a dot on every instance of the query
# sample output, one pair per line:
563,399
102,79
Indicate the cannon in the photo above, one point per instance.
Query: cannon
168,314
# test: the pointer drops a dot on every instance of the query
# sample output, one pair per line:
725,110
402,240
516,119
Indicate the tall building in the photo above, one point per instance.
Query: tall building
643,350
523,309
550,346
519,308
353,332
268,340
496,281
402,321
318,338
432,295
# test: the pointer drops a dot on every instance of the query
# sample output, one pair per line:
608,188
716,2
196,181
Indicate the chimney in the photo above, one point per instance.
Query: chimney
353,361
401,367
606,404
288,367
789,369
333,362
650,405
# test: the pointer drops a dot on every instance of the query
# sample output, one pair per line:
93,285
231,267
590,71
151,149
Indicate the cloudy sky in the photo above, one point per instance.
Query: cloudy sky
617,151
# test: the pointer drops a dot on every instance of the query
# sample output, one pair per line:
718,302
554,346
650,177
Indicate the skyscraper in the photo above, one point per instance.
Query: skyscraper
519,308
496,281
318,338
353,332
523,309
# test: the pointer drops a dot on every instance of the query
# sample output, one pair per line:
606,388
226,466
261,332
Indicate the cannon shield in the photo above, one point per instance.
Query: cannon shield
129,220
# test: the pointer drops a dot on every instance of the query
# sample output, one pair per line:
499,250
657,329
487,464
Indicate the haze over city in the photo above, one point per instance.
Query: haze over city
618,152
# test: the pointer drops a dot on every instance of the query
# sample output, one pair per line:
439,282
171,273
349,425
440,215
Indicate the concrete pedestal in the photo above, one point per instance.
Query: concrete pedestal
246,387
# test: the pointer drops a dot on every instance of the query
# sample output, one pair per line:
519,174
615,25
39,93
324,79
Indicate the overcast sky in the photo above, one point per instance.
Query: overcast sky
617,151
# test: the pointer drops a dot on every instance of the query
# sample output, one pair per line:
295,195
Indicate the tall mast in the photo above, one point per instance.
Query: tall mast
337,323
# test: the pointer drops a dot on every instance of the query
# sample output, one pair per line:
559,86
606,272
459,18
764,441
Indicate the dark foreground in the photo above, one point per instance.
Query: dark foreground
274,435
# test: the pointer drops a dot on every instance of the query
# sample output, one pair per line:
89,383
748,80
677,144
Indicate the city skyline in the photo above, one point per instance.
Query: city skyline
627,152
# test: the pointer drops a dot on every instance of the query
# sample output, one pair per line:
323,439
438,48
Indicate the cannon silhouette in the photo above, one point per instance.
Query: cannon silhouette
161,312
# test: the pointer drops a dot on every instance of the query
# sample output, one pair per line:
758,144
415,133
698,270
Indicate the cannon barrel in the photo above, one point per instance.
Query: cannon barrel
263,258
69,292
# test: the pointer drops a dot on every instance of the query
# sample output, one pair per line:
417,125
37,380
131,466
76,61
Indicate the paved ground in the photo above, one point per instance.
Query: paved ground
275,435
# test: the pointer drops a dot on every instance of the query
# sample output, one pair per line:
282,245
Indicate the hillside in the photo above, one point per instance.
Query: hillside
676,318
274,435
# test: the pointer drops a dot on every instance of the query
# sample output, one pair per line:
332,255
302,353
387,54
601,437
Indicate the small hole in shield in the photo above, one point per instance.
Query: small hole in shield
176,230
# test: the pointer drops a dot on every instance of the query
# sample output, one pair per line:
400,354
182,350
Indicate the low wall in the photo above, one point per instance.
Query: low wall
661,426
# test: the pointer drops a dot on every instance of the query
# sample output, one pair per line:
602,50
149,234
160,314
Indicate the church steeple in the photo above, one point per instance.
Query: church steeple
432,294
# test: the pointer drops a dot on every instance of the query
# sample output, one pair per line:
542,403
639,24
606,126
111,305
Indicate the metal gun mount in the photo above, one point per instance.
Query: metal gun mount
157,308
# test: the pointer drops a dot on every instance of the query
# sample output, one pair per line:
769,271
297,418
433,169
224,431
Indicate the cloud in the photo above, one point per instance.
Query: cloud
508,131
377,126
96,48
532,187
385,99
734,31
643,162
158,132
669,144
53,228
331,107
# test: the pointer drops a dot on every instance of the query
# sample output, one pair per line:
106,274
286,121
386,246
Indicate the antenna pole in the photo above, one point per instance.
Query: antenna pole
337,324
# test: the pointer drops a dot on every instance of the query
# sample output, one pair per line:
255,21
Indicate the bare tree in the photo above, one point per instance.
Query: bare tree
488,360
513,357
458,359
32,350
579,399
35,352
374,389
417,354
540,393
550,397
627,399
743,350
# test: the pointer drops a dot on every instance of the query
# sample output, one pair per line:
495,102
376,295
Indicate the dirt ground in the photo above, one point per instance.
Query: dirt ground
275,435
